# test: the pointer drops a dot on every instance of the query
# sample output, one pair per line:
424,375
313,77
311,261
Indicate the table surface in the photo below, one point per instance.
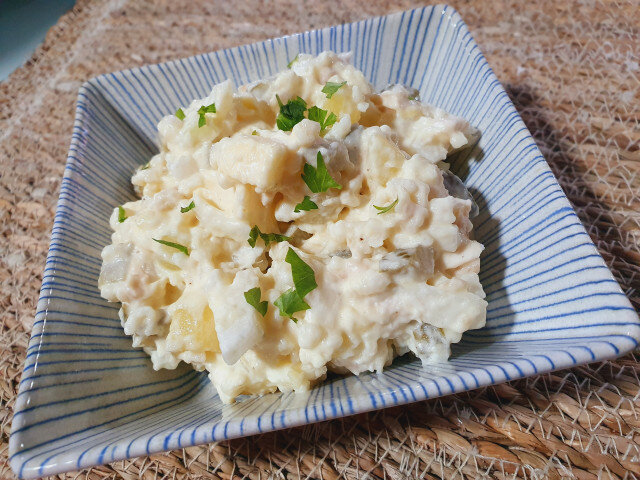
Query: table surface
571,69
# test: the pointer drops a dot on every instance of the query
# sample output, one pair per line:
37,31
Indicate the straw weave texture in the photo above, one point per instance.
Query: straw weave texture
573,72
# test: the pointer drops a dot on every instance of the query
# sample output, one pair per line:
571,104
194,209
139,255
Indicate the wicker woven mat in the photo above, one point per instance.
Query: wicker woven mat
573,72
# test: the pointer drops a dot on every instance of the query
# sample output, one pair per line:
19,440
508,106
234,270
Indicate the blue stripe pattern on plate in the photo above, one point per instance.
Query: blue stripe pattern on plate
86,397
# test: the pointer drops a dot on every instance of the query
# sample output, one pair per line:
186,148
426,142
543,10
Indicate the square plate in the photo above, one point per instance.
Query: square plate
86,397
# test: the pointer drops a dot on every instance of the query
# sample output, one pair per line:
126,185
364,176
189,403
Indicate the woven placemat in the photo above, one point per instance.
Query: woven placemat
571,68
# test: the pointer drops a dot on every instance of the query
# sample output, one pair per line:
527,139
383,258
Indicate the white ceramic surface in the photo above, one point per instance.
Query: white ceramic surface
87,397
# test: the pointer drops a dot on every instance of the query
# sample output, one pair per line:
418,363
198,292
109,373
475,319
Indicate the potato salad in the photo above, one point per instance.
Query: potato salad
294,226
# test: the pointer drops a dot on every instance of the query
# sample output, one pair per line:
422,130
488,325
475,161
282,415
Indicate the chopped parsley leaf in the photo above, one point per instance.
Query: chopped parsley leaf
191,206
121,214
294,60
305,205
289,303
332,87
319,115
253,298
303,277
273,237
318,179
180,114
291,113
177,246
387,208
253,236
255,132
202,121
267,238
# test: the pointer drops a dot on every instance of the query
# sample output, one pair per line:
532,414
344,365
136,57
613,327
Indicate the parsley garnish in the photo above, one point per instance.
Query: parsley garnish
191,206
289,303
332,87
318,179
414,96
177,246
146,165
303,277
180,114
290,114
253,298
255,132
387,208
267,238
253,235
295,59
319,115
305,205
202,121
121,215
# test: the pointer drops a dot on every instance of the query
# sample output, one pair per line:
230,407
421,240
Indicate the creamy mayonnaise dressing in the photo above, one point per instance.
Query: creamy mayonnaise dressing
387,284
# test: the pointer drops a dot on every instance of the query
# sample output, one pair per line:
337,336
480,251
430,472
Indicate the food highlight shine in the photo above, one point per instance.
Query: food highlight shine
298,225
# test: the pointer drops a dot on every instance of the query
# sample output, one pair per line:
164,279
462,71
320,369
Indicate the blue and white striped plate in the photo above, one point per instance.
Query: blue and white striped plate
87,397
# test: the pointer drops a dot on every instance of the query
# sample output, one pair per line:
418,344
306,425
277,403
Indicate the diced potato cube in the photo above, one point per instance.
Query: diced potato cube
198,331
381,158
250,159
